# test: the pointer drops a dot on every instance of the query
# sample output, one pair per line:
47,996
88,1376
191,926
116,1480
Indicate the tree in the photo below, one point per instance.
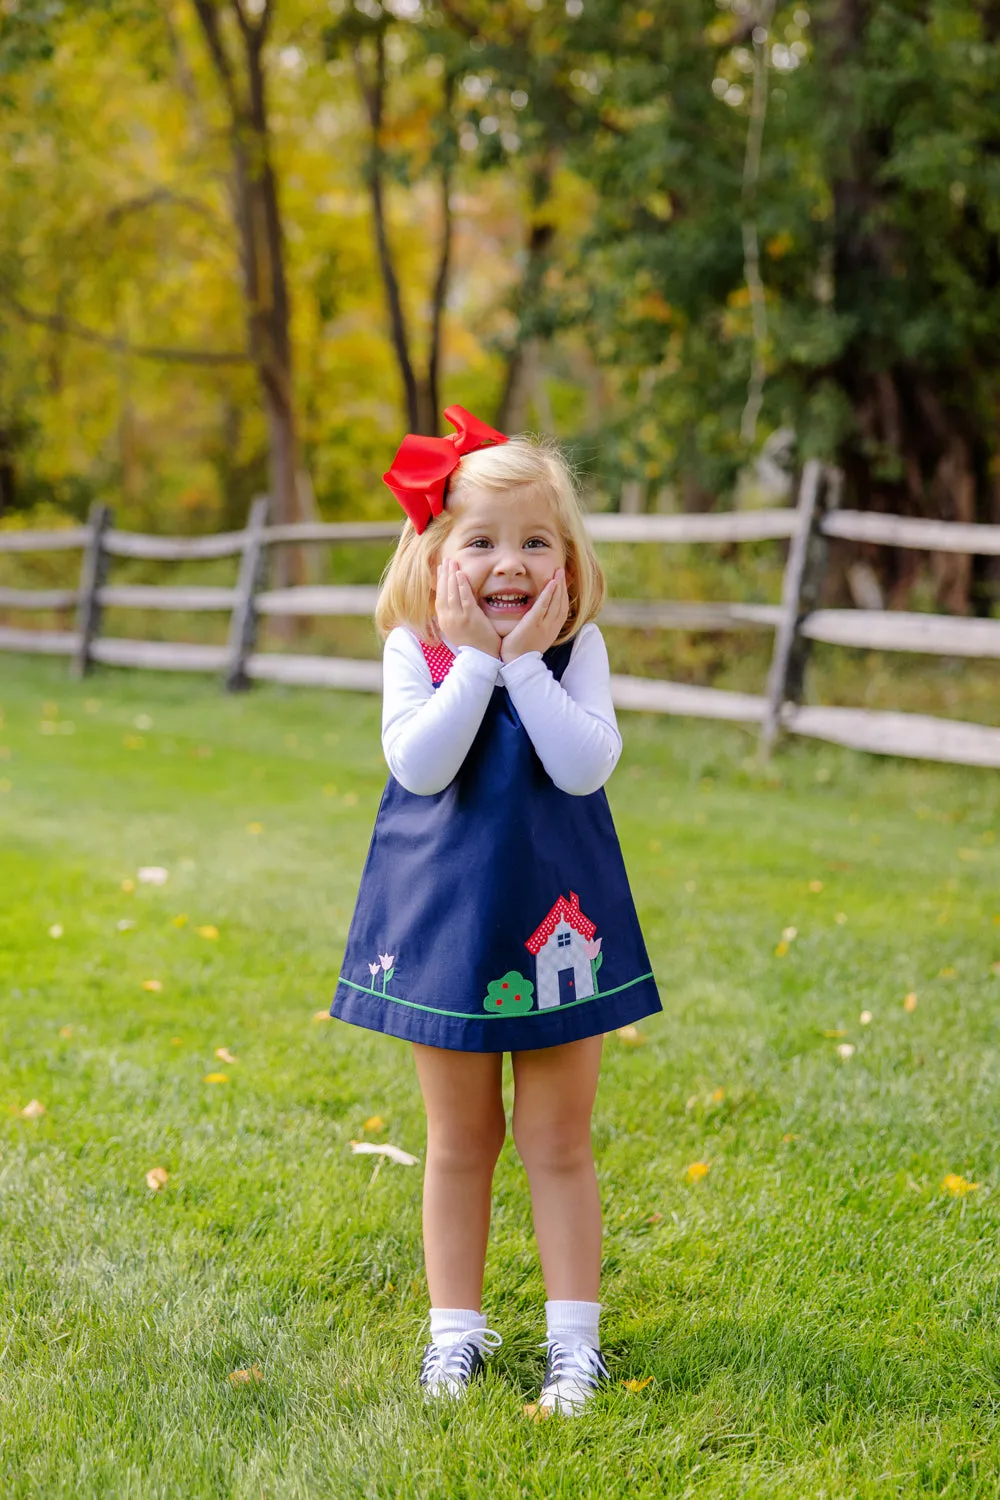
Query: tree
236,44
913,243
366,34
877,213
531,90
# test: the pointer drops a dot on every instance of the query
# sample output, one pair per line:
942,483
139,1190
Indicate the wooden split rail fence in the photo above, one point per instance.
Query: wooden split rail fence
796,621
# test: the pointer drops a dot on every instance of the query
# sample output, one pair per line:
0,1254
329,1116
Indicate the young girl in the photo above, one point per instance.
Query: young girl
494,913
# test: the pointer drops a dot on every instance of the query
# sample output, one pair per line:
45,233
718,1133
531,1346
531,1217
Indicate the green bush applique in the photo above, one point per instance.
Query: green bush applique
513,995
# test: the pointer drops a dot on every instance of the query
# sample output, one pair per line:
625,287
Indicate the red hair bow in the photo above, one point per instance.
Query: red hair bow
419,474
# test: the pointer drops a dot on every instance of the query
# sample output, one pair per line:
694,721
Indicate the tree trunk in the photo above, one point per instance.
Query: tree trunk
373,92
523,357
421,391
7,470
257,212
439,295
269,312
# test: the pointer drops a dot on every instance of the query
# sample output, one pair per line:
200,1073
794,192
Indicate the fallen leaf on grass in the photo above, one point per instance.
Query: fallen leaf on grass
255,828
637,1385
996,968
246,1377
65,1032
536,1413
958,1186
152,875
696,1171
153,985
376,1122
33,1110
655,1219
789,1137
322,1015
630,1035
910,1003
224,1055
128,886
207,932
815,886
718,1095
832,1035
216,1078
156,1177
360,1148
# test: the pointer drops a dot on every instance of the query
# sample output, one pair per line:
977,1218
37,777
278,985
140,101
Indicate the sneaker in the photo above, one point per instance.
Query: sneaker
446,1369
572,1374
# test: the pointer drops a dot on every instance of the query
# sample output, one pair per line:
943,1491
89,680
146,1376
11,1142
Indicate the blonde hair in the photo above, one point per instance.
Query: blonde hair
406,596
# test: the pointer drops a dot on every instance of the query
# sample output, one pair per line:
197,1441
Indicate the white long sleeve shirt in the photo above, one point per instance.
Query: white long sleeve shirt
428,732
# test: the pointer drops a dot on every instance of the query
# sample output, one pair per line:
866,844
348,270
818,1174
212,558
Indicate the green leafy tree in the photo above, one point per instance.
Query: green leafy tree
874,209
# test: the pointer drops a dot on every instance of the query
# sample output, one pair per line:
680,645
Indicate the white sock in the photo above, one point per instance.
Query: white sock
573,1322
449,1323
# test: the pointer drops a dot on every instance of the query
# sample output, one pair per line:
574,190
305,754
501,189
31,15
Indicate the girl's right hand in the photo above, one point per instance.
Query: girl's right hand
459,618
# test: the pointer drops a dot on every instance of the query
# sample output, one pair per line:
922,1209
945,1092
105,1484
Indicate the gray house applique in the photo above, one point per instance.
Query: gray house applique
563,948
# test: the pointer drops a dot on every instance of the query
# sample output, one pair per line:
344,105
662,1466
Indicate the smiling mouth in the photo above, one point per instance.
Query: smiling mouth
510,599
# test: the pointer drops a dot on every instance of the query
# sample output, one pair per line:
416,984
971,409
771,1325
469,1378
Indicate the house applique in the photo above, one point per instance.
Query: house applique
562,948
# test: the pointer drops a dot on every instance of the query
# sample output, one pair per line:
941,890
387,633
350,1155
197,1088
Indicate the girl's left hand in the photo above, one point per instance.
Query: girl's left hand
543,622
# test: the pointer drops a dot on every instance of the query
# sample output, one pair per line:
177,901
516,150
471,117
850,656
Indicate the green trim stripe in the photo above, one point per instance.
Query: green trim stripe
465,1015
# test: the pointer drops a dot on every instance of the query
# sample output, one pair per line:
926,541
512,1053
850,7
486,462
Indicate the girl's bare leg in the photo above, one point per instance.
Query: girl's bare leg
554,1091
465,1131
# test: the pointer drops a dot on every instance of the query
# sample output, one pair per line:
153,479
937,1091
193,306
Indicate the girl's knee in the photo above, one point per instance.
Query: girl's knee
466,1146
553,1145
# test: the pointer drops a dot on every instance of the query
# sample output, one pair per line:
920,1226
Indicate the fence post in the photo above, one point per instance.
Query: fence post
800,588
243,622
93,567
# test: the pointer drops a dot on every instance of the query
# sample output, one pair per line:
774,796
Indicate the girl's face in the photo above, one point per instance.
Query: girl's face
508,546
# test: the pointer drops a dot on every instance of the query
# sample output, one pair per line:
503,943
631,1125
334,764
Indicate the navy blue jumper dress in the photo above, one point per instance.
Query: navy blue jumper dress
495,915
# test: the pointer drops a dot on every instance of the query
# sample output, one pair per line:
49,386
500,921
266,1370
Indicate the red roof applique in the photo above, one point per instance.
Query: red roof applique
439,659
563,911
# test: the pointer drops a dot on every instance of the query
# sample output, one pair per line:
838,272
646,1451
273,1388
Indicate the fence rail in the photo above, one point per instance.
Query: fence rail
796,621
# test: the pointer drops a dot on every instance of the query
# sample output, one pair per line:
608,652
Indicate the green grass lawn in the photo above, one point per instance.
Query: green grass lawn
816,1316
